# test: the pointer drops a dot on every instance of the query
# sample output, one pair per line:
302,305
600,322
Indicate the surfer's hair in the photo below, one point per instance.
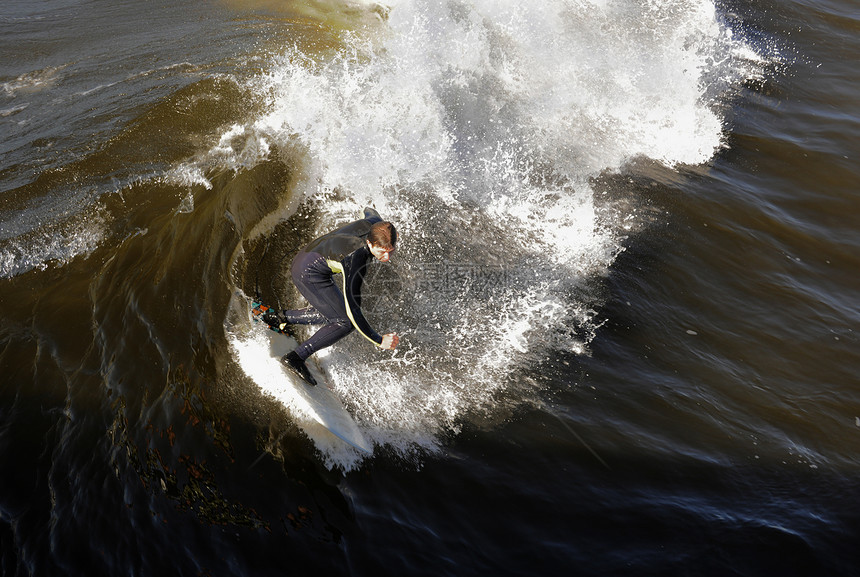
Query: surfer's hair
383,234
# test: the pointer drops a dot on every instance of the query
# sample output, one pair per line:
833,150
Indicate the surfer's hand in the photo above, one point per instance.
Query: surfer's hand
390,341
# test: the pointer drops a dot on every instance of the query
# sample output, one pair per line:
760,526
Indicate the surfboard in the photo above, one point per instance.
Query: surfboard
321,402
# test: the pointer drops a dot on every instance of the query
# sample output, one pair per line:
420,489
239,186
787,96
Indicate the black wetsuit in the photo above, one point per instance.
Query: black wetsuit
343,251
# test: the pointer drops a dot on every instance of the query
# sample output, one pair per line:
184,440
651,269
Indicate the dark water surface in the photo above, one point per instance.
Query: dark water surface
627,287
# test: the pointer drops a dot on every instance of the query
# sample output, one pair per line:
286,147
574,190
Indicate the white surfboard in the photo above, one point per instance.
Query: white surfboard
315,403
327,410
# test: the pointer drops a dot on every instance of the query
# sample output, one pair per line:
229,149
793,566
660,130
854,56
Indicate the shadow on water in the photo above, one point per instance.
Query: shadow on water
123,415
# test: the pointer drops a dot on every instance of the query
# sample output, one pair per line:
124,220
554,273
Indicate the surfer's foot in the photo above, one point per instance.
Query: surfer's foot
271,318
278,324
298,366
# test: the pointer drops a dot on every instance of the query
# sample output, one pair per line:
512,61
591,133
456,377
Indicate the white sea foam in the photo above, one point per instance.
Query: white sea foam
53,245
477,126
32,82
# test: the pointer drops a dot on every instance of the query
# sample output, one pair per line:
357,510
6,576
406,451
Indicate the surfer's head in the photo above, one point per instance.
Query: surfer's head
382,240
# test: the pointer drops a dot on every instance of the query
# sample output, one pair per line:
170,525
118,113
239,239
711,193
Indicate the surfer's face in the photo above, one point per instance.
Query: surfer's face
381,254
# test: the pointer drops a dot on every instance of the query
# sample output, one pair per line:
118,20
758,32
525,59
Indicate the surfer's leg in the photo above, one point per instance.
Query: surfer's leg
327,300
325,337
310,274
305,316
314,280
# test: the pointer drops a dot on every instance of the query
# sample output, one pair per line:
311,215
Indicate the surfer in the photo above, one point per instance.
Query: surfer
347,250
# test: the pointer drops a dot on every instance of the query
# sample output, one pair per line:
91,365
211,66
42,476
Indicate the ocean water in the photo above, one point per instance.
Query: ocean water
627,287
